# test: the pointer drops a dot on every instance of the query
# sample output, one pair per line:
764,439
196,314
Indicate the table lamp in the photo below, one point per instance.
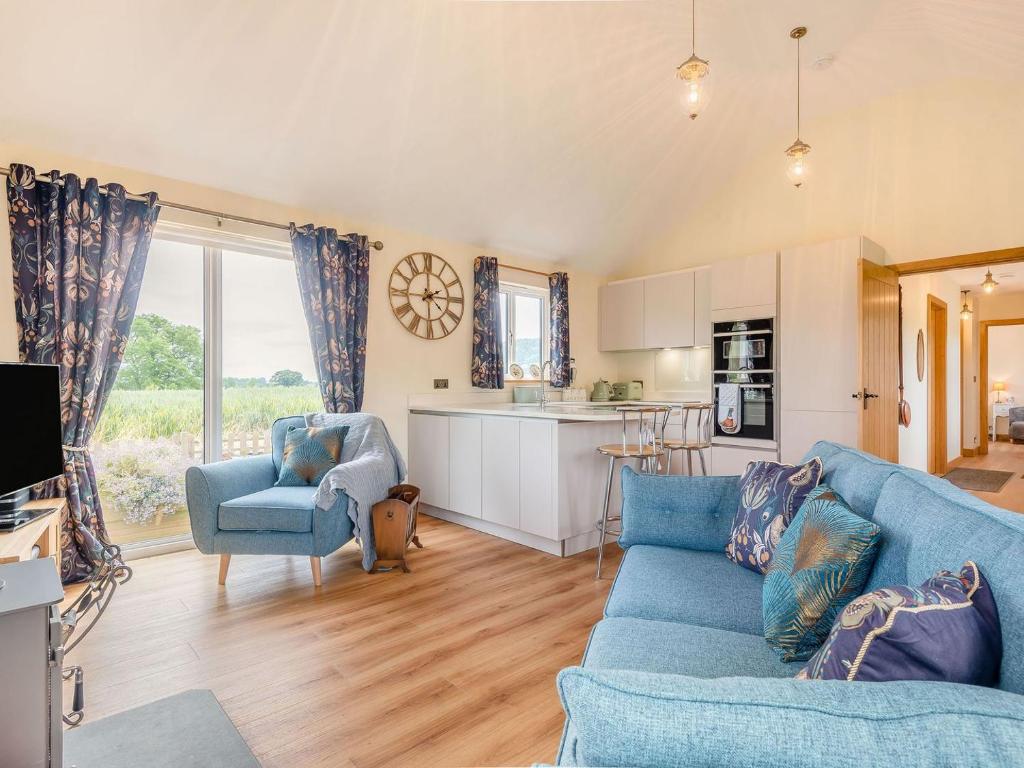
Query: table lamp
999,387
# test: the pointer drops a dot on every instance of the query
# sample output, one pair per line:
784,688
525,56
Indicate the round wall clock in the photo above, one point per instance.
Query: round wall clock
426,295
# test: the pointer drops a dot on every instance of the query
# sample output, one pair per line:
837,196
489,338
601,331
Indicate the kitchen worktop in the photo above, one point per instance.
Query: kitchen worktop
557,410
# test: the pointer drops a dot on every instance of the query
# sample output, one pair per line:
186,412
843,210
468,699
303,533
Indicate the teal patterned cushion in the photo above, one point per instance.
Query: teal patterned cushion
309,454
821,563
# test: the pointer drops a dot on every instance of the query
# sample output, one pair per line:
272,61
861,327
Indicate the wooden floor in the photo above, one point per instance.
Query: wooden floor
453,664
1006,457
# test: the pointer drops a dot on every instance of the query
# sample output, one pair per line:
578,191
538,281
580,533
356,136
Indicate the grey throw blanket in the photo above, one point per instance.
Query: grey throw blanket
370,465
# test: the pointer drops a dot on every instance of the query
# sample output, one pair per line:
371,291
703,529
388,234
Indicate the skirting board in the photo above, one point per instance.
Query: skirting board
566,548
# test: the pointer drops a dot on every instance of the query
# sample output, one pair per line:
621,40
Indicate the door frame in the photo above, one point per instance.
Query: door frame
938,395
983,327
944,263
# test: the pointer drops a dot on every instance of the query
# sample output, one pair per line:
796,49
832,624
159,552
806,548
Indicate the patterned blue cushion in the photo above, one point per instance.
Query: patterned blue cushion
946,630
309,454
770,495
820,565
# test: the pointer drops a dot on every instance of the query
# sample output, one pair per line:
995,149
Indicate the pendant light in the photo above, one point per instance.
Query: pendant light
693,71
797,169
965,311
989,285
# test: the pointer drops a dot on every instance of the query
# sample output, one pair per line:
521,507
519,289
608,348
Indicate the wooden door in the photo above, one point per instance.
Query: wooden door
879,361
936,345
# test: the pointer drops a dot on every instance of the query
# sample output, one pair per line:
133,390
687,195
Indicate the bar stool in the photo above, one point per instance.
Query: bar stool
704,413
648,450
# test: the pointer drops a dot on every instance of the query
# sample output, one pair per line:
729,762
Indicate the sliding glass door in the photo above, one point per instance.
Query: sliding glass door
218,351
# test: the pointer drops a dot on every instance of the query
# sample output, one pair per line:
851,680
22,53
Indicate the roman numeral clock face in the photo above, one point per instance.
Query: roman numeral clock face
426,295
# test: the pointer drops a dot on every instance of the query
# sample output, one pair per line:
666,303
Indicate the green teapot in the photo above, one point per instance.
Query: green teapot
602,391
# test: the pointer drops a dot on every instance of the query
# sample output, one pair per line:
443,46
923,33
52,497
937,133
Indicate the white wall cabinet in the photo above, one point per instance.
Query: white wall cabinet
621,309
429,458
744,288
820,319
500,470
464,471
668,310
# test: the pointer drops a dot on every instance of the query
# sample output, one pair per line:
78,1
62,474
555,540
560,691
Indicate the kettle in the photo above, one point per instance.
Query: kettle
602,391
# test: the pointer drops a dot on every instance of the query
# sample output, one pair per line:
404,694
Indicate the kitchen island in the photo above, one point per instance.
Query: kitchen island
527,473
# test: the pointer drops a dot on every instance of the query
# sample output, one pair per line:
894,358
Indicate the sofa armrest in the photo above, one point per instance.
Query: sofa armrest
208,485
677,511
640,719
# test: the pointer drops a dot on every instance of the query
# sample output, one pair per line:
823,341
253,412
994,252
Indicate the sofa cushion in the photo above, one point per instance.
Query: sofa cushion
702,588
770,495
946,630
284,508
820,565
923,532
858,477
309,454
681,649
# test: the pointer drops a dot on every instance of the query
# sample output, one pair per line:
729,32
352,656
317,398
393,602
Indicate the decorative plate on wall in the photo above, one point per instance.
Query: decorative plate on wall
920,355
426,295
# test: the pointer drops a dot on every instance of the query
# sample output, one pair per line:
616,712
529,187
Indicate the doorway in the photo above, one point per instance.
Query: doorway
938,318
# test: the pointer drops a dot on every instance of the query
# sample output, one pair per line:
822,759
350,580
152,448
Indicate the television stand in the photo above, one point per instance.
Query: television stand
42,531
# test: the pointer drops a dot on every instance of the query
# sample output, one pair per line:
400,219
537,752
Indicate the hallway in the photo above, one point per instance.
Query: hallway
1008,458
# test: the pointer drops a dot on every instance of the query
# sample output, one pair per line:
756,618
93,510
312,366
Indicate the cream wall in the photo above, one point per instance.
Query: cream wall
924,173
914,439
1006,361
398,365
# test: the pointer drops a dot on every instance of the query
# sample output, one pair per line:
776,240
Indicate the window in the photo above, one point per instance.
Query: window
524,328
218,350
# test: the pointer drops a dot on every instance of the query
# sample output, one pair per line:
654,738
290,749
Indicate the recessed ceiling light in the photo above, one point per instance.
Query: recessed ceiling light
824,62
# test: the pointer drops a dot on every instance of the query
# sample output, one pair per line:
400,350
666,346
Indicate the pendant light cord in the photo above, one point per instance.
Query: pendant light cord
798,89
693,27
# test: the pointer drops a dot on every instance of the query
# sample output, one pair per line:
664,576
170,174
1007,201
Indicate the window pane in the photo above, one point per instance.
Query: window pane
527,331
151,428
503,309
266,359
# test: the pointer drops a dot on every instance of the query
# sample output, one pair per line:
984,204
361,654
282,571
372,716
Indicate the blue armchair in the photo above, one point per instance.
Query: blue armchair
235,509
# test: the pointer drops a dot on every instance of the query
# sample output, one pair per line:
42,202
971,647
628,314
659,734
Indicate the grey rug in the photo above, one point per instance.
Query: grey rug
189,730
989,480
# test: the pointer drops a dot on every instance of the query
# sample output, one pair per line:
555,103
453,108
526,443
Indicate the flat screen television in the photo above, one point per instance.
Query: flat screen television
32,431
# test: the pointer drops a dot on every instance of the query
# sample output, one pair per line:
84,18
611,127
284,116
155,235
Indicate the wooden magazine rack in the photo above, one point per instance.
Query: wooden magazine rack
394,527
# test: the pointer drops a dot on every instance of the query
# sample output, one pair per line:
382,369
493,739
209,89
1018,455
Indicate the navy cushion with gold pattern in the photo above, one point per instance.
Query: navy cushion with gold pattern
309,454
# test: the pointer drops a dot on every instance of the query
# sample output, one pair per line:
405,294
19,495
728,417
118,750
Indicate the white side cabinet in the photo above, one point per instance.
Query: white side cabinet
733,459
668,310
621,310
500,470
429,458
465,448
538,492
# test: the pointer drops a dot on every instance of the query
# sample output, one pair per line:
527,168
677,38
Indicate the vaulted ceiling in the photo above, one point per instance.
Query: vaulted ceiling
553,128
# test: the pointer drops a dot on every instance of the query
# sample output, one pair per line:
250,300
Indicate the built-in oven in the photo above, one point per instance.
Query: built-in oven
744,360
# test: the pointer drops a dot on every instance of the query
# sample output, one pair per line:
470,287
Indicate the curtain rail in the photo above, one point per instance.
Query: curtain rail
523,269
375,244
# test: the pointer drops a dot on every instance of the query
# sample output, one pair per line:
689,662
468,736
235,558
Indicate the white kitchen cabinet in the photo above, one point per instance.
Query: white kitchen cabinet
466,441
819,318
733,459
621,311
744,288
702,324
538,498
429,457
668,310
500,470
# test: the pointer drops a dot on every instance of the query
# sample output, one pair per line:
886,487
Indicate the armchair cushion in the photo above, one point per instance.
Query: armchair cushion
281,508
668,584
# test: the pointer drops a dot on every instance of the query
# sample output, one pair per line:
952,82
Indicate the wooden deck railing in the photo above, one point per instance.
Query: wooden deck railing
233,445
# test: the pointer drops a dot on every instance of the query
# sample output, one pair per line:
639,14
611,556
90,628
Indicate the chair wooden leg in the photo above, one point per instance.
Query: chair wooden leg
314,563
225,561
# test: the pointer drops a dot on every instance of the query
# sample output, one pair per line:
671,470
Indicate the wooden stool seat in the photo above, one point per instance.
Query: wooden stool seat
632,451
678,445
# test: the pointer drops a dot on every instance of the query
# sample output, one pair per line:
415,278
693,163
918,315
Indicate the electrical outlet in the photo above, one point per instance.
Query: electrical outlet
440,383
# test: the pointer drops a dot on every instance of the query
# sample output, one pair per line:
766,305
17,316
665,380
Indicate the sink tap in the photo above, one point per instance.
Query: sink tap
546,365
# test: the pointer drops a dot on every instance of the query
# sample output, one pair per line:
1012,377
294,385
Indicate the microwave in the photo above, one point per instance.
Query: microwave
746,345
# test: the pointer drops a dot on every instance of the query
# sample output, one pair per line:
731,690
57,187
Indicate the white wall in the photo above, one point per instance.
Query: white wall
397,363
1006,361
914,439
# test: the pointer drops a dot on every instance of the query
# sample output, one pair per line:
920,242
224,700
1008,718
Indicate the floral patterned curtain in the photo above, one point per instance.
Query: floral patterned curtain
560,361
334,282
488,369
79,255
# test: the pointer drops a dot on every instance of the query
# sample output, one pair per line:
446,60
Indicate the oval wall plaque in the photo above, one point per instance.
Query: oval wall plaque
920,355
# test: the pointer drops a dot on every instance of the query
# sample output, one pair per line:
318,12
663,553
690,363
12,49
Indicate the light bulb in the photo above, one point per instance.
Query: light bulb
989,285
693,98
797,169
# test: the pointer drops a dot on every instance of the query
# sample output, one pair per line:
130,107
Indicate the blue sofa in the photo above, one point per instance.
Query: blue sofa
235,509
678,672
